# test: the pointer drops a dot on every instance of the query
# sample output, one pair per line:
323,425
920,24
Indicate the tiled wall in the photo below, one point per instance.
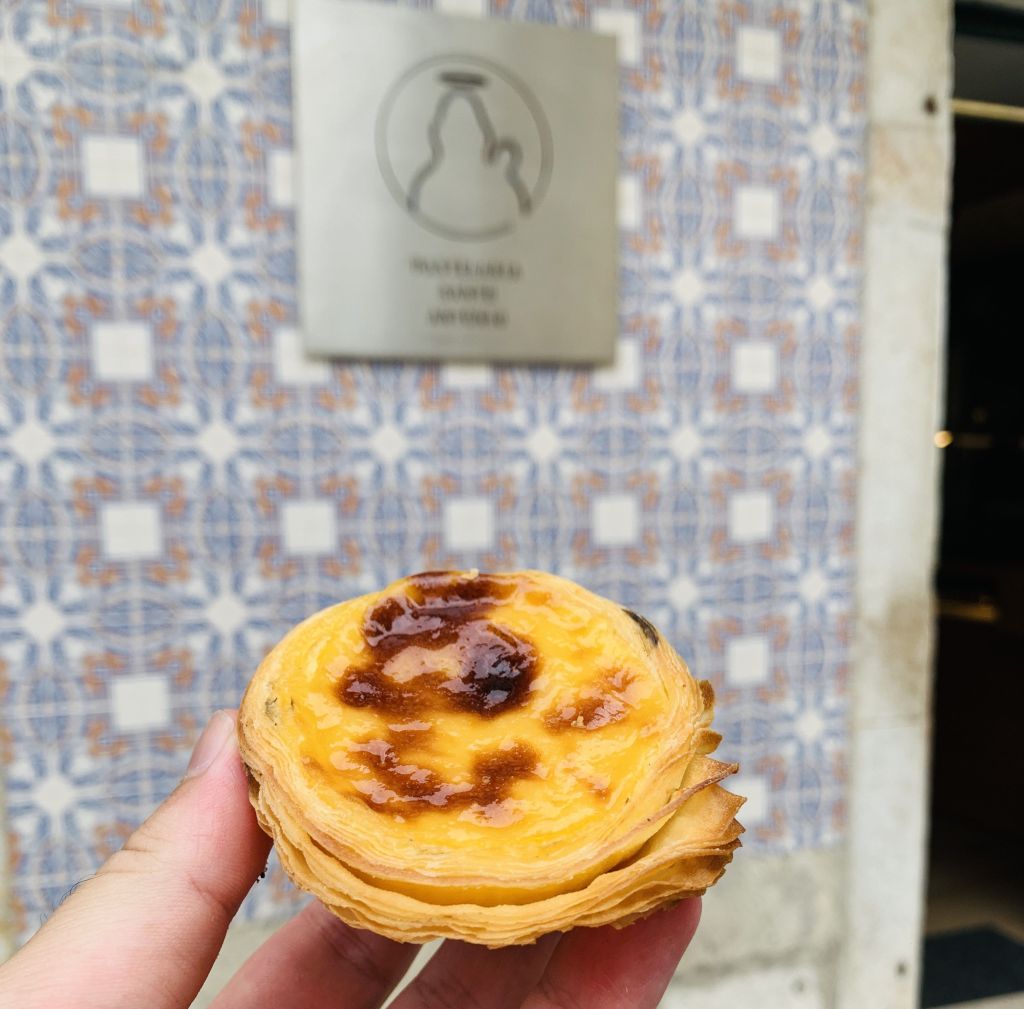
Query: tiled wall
179,484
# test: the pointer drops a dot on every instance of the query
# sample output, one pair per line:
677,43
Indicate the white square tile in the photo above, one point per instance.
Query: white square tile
756,212
630,204
122,351
277,12
686,442
688,287
204,77
140,703
227,612
625,26
292,364
747,661
624,373
469,523
309,527
683,592
750,516
281,178
466,8
43,621
113,167
218,441
131,530
755,788
615,520
755,366
758,54
467,376
211,264
20,256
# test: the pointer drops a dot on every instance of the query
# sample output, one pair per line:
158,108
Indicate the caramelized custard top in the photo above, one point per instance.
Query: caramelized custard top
488,700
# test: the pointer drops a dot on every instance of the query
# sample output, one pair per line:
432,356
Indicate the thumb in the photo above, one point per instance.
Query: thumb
147,928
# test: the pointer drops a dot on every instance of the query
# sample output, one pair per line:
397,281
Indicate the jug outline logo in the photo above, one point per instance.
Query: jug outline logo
516,162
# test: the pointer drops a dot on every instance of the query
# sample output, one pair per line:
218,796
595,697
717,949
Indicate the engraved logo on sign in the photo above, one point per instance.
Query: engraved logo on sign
464,147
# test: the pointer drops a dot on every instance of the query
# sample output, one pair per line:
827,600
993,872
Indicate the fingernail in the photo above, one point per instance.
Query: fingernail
218,731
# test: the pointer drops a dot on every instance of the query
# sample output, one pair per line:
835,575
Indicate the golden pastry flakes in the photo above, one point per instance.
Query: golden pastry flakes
486,757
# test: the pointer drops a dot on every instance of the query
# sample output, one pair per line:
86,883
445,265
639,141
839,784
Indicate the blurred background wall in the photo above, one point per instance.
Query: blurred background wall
181,483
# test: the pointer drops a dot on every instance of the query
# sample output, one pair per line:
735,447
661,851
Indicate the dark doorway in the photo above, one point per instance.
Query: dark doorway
976,881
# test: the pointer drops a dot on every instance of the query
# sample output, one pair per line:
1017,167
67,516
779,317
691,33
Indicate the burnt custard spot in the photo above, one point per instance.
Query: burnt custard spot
403,787
497,669
650,631
370,688
494,773
604,703
396,779
443,611
590,714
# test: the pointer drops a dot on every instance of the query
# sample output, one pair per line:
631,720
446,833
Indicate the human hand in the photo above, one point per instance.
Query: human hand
146,929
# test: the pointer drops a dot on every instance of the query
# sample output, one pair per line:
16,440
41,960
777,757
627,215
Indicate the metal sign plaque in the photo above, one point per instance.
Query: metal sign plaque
457,186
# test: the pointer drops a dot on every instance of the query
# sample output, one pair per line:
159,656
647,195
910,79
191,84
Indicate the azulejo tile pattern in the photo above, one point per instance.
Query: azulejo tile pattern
181,484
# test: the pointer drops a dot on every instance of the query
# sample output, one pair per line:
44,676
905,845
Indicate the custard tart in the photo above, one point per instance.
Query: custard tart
486,757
